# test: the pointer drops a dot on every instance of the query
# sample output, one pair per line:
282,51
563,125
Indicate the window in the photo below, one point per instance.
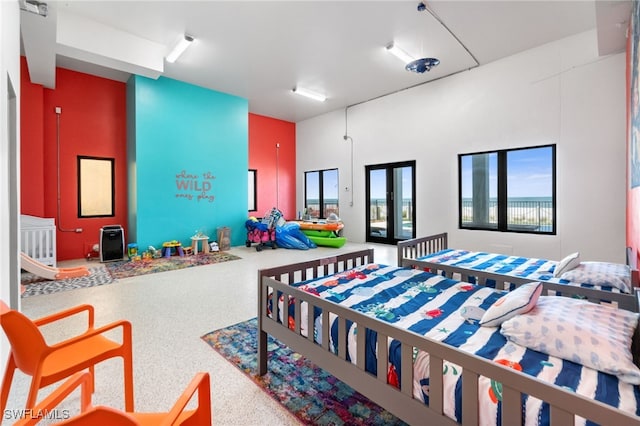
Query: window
96,187
508,190
321,193
253,197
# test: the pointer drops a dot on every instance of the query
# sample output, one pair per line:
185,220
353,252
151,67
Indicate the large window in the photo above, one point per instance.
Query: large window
509,190
321,193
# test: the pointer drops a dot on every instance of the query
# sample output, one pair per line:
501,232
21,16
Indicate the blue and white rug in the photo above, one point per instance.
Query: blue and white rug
36,286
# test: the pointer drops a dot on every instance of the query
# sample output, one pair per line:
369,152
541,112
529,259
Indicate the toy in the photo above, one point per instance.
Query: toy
132,250
169,246
155,253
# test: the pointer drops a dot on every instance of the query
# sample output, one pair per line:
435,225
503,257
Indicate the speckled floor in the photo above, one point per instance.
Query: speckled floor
170,311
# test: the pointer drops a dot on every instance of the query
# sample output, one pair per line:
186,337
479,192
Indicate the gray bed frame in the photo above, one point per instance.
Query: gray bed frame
564,405
409,251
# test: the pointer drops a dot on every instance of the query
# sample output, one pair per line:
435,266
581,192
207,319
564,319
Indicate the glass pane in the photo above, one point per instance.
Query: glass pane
312,194
252,199
330,192
403,203
479,183
95,187
378,202
530,190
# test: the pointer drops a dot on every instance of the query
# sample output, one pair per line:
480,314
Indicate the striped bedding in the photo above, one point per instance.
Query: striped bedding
524,267
433,306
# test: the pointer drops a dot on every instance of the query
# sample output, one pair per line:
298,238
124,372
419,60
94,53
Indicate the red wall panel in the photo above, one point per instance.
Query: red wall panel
92,123
31,145
276,166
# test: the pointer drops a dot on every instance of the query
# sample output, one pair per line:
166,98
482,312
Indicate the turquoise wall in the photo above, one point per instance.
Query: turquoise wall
188,161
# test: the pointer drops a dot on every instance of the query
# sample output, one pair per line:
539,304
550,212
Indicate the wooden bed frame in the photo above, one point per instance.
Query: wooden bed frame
564,404
409,251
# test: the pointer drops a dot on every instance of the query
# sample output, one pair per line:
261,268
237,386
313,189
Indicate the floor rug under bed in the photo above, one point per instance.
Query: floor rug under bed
310,393
35,285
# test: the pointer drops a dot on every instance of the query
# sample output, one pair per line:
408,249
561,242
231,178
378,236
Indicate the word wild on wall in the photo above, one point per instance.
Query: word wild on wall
194,186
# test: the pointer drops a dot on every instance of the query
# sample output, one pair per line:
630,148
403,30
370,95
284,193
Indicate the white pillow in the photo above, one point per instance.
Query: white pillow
601,274
594,335
519,301
567,264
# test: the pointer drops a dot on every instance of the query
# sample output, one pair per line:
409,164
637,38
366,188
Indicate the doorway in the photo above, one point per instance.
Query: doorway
391,195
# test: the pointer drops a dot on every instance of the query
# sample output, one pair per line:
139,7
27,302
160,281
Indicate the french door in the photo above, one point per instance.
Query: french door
391,194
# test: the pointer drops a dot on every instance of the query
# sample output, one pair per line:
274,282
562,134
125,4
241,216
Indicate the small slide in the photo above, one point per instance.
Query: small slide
30,264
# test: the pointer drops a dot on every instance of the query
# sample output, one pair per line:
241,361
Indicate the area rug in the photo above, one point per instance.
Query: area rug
310,393
126,268
35,285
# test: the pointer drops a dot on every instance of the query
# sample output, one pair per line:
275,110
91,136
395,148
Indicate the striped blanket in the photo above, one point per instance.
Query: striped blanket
515,266
433,306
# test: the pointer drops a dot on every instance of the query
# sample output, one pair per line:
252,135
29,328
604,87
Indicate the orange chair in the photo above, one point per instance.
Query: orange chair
47,364
101,415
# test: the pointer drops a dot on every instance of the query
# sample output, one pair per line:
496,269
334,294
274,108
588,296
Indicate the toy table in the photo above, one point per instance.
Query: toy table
169,247
205,243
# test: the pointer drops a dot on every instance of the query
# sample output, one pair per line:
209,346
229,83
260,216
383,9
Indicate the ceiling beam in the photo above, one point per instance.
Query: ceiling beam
612,18
38,40
90,41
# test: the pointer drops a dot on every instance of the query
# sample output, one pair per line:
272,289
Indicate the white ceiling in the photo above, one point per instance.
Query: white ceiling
261,50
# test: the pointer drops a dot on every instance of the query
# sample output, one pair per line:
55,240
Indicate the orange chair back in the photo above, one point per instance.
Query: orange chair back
27,343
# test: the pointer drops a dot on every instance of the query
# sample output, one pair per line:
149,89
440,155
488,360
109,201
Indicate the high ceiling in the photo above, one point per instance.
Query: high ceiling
261,50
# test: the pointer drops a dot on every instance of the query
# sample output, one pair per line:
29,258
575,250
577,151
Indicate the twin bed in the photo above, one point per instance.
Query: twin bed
341,311
589,280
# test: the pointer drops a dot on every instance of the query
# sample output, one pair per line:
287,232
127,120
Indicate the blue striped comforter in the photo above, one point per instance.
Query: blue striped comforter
432,305
515,266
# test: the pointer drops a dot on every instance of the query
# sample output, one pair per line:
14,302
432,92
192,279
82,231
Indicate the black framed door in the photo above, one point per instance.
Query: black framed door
391,194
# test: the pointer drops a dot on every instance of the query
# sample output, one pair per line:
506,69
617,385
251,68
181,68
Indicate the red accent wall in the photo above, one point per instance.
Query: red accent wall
31,145
276,167
92,123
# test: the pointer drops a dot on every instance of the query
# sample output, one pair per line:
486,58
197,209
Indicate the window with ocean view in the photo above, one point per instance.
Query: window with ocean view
321,193
509,190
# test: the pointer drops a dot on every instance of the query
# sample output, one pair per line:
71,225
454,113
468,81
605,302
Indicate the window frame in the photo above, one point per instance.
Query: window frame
103,188
321,197
252,198
502,192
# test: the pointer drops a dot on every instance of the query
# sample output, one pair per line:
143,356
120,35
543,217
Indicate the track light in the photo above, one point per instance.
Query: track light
179,48
399,53
309,94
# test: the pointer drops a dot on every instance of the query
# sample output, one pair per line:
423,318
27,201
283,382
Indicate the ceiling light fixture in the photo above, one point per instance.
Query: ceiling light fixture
399,53
179,48
309,94
421,65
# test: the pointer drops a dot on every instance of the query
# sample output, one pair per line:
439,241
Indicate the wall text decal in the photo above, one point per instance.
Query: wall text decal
194,186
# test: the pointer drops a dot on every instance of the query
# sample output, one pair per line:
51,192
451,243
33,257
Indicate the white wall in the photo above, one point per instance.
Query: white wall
9,152
560,93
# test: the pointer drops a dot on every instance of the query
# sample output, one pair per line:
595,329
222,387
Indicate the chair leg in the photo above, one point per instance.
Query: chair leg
92,381
6,382
128,382
32,399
